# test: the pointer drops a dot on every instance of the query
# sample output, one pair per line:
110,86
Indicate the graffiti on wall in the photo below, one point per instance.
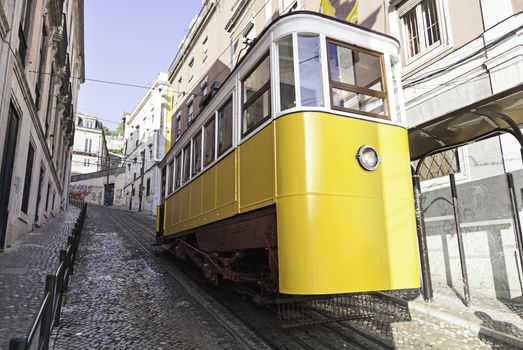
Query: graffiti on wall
89,193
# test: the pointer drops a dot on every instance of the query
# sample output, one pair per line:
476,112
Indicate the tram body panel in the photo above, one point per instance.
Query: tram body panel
209,198
256,170
341,228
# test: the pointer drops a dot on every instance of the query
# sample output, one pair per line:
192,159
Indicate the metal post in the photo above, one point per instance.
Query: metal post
60,286
47,317
18,343
428,293
457,222
515,215
72,256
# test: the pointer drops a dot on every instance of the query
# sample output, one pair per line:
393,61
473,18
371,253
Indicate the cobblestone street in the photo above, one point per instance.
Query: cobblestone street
126,294
121,298
22,272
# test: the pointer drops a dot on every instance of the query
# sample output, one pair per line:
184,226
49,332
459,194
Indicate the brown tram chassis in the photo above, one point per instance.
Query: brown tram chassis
219,248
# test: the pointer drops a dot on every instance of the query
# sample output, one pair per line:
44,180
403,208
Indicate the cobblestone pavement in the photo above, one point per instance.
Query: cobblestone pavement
484,313
121,298
22,273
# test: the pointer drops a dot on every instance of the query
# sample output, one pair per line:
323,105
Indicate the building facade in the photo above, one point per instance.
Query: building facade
454,54
146,131
90,153
41,69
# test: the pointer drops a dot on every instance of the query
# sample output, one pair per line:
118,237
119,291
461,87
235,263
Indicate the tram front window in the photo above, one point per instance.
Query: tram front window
311,85
356,80
286,66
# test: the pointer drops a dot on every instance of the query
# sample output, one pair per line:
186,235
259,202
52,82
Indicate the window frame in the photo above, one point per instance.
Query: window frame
194,170
261,91
178,170
185,179
212,120
228,99
445,41
358,89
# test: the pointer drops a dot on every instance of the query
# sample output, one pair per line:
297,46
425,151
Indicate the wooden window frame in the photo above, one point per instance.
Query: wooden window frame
264,88
358,89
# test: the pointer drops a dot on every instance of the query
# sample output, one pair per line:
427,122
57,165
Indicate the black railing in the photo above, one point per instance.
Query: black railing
56,285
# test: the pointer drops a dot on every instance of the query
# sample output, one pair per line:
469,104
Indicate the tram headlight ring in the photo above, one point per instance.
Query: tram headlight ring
368,157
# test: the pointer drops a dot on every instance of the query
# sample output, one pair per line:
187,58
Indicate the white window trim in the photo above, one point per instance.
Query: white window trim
446,42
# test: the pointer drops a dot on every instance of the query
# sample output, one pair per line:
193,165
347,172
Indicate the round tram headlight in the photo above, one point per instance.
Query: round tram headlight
368,157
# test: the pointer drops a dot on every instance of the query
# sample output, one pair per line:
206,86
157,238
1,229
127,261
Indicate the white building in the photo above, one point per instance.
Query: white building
146,132
90,147
41,69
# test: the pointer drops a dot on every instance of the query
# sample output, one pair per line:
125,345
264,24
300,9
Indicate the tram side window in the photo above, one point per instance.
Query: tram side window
186,163
286,67
356,80
309,58
256,97
225,127
171,177
178,177
197,153
208,140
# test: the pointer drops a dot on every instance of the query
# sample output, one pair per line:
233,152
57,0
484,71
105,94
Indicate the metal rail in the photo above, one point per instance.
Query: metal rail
48,315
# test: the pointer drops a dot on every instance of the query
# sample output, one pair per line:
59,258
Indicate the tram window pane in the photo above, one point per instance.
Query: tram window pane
256,80
311,85
286,66
186,163
178,177
359,102
209,131
171,177
257,111
197,154
355,68
225,127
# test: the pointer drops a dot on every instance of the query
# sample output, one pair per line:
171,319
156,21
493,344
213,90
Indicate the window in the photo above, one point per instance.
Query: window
256,97
356,80
28,177
87,162
170,168
197,153
440,164
186,163
178,178
204,87
288,5
421,27
41,70
178,125
190,111
137,135
191,72
164,180
205,46
148,187
311,84
225,127
209,131
286,67
88,145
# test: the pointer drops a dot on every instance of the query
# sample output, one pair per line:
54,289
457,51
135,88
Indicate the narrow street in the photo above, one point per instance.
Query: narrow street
128,294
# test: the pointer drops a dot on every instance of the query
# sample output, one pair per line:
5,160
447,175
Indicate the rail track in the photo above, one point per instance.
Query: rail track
260,325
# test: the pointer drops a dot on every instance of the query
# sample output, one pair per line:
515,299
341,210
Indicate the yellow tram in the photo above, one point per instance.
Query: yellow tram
296,176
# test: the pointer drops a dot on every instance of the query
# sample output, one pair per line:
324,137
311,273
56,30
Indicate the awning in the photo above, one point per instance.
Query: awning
501,113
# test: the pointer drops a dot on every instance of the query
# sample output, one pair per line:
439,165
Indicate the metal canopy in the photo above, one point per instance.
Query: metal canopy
501,113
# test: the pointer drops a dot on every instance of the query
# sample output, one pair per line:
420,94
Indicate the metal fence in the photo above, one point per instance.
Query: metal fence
56,285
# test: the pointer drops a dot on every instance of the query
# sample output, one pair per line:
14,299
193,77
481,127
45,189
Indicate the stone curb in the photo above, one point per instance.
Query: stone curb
457,321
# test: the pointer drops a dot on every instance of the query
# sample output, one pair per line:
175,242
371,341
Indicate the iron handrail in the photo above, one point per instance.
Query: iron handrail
48,315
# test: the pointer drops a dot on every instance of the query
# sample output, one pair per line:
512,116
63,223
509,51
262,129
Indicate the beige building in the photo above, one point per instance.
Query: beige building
41,69
456,56
90,153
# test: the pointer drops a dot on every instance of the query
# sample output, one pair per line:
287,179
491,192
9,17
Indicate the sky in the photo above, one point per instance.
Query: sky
129,41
